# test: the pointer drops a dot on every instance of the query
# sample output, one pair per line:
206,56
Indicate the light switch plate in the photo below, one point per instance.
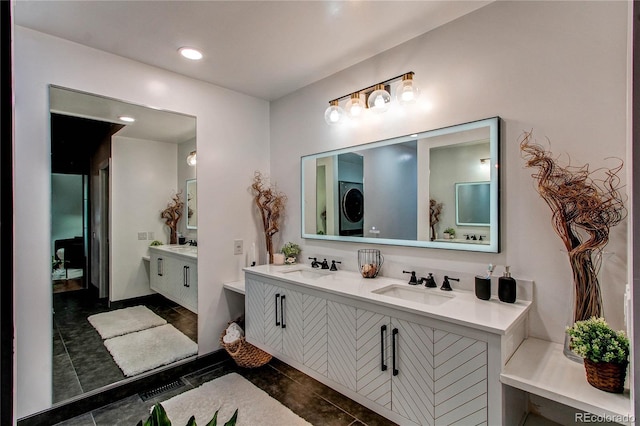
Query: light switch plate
237,246
151,235
142,235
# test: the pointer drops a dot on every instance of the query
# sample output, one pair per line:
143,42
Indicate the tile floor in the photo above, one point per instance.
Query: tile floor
81,362
311,400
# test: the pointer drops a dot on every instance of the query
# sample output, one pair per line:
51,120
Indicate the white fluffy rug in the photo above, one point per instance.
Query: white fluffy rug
226,393
123,321
145,350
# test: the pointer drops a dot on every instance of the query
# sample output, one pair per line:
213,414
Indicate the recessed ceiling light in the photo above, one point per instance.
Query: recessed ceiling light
190,53
415,135
127,118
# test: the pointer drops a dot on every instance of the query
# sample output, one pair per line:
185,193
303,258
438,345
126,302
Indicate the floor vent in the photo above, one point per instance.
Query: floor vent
145,396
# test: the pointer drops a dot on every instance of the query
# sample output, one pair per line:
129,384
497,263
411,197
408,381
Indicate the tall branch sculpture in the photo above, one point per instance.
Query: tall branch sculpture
172,215
435,209
270,203
583,211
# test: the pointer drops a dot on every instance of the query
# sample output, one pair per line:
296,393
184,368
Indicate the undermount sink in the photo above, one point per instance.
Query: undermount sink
183,249
304,273
414,294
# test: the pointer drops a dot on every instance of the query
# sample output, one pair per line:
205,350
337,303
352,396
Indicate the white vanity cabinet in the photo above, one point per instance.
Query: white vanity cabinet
175,276
286,321
411,367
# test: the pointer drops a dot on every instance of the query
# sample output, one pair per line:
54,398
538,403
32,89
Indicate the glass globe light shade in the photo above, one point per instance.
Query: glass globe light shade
355,106
408,90
379,99
334,114
191,158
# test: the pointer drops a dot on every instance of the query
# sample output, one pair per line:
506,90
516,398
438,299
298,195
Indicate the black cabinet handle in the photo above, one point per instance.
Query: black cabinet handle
185,275
277,319
282,305
394,333
160,271
383,331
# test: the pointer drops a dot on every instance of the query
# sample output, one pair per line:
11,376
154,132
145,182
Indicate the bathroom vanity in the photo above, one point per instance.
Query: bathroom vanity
174,274
415,355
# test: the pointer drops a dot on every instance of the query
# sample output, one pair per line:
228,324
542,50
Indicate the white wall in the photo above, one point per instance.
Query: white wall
143,180
558,68
227,159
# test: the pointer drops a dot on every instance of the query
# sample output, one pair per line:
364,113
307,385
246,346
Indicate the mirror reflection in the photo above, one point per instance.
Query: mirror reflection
110,180
435,189
192,204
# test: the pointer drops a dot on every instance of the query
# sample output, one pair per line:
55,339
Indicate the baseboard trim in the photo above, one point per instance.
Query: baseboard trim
94,400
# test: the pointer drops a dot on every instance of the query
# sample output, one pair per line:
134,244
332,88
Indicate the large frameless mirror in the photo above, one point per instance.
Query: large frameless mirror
436,189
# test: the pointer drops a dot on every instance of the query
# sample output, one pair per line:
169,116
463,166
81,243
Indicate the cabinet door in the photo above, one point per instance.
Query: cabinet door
460,376
373,369
342,344
412,371
292,324
185,287
314,333
254,310
272,307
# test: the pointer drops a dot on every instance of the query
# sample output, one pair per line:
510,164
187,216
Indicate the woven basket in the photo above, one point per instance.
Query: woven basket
606,376
244,353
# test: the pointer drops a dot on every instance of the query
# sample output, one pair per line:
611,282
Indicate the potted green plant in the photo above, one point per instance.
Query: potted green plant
158,417
291,252
449,233
605,352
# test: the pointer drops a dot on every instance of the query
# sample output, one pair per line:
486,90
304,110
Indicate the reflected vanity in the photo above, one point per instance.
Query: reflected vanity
380,192
191,205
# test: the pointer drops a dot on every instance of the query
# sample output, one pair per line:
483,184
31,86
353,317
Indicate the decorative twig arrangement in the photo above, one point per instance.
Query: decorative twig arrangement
270,203
584,209
435,209
172,215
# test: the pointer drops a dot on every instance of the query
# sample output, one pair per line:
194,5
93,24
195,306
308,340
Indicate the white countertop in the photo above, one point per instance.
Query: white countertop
464,308
190,252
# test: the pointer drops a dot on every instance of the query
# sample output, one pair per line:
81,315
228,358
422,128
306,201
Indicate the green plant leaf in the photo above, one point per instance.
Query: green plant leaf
158,417
233,419
214,420
192,421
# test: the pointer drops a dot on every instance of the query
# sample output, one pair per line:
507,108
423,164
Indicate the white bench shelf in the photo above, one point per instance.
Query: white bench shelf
237,286
540,367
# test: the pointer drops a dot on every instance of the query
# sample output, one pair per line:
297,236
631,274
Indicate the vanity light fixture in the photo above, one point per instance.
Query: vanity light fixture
376,98
190,53
126,118
334,114
408,90
191,158
355,106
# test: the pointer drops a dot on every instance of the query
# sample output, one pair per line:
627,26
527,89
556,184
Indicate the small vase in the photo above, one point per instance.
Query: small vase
606,376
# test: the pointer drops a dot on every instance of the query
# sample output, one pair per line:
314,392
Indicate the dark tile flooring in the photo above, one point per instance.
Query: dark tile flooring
311,400
81,362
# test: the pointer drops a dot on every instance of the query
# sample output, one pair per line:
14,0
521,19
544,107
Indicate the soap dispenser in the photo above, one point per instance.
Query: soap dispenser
507,287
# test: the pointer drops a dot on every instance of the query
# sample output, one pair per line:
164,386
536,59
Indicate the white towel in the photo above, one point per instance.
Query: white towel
231,336
235,327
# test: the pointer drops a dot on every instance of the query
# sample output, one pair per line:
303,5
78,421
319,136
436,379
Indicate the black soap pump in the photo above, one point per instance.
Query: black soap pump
507,287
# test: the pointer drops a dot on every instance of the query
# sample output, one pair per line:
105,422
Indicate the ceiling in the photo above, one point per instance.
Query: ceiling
265,49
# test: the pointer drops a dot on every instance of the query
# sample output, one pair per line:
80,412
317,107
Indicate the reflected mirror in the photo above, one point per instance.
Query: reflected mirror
191,205
110,180
436,189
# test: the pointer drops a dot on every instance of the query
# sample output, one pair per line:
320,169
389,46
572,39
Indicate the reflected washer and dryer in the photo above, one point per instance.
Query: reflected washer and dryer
351,208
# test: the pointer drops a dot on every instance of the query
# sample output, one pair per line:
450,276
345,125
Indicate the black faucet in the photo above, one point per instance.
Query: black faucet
192,243
428,281
333,265
324,264
473,237
446,286
413,280
314,263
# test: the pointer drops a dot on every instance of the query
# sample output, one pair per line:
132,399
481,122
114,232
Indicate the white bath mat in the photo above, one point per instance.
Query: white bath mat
226,393
123,321
145,350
